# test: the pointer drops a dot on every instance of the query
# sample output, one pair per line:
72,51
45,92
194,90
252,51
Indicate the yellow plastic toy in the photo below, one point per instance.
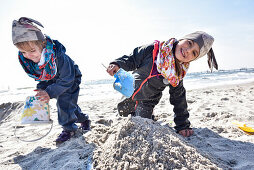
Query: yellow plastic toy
248,130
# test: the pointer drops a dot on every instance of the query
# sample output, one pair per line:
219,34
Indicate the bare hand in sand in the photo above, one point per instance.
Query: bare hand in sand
186,132
112,69
42,95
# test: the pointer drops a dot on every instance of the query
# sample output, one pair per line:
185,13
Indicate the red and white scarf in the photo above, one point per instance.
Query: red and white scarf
166,63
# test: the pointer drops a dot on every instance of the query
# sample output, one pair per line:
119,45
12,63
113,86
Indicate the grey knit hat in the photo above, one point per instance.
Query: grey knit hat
24,30
205,42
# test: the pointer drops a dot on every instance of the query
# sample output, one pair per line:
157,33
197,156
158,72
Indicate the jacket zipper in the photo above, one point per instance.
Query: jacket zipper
155,52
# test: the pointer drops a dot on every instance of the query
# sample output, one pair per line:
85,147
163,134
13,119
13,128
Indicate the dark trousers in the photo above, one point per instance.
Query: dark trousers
68,110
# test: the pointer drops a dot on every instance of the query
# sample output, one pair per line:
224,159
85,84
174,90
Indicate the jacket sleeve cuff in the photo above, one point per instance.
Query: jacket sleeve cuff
183,125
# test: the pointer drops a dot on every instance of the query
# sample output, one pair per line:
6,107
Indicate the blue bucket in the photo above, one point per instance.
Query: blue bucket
124,82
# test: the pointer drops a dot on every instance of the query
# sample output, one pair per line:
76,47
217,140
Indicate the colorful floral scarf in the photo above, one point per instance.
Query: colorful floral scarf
46,71
166,63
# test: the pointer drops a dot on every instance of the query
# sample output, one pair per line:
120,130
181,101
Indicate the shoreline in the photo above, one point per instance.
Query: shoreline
226,86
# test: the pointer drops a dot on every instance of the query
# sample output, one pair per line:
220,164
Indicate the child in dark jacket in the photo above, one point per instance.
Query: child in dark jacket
59,77
157,66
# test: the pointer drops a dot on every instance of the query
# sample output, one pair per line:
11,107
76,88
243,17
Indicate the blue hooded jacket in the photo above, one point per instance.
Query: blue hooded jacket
68,74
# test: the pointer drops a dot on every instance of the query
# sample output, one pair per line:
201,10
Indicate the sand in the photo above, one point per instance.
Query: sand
136,143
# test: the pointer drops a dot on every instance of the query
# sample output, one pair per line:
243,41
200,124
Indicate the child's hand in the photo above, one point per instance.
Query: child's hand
42,95
186,132
112,69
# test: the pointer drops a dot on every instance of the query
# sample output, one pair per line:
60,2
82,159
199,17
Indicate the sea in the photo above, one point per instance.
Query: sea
103,88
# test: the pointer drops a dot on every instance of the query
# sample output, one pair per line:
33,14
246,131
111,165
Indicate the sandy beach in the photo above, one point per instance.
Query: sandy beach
136,143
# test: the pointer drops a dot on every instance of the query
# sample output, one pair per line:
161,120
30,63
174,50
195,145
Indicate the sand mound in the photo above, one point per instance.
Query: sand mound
7,108
75,154
136,143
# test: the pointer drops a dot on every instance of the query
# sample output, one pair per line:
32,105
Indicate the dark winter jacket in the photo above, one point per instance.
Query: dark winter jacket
141,62
68,74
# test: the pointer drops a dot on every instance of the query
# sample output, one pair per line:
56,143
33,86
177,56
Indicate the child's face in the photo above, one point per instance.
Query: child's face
186,50
34,53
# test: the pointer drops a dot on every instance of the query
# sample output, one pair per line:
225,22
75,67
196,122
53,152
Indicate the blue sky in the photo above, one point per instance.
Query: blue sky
99,31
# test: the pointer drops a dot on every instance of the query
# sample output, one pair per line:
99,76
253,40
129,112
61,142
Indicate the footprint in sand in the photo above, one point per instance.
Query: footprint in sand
104,122
190,101
225,99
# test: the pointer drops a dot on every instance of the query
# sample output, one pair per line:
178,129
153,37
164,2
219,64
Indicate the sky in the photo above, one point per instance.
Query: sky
96,32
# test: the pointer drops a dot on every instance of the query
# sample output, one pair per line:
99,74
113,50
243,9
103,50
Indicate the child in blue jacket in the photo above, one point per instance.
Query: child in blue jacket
59,77
158,65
